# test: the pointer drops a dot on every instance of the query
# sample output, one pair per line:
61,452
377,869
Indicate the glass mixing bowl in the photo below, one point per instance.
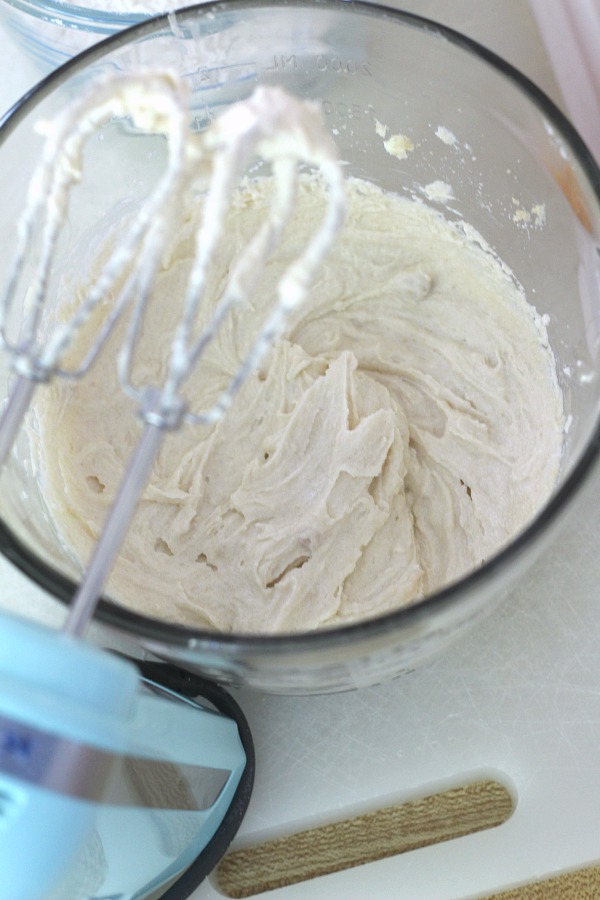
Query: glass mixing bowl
519,174
53,31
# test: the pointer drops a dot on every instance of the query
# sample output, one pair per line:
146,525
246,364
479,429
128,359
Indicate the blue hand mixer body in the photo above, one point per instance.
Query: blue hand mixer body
111,783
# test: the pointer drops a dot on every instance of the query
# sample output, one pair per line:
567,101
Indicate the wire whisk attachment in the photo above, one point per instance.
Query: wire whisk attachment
271,127
153,102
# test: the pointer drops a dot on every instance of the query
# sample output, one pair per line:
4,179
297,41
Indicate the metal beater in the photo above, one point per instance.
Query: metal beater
271,126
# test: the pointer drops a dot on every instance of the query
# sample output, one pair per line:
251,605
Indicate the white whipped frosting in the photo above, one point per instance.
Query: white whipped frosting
407,426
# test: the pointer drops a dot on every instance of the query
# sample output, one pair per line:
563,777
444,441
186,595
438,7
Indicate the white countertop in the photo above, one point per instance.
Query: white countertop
517,698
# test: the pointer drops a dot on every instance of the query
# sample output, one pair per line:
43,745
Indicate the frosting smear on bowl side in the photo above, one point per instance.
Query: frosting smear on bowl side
406,427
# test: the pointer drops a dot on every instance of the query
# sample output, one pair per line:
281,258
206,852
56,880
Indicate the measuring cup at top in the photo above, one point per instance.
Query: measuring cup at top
271,126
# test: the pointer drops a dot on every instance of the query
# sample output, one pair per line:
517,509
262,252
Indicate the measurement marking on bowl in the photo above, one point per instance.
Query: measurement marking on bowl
221,73
322,63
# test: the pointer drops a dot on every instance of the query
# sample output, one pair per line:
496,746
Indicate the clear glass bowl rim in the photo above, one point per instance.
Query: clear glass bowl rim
407,617
77,15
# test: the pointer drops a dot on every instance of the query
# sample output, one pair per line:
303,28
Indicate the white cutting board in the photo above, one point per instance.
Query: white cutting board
516,699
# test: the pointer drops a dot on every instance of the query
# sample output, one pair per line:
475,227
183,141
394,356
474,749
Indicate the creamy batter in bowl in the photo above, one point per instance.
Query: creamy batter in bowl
415,110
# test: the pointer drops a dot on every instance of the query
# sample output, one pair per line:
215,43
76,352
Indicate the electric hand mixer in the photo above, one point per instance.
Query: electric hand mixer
111,783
